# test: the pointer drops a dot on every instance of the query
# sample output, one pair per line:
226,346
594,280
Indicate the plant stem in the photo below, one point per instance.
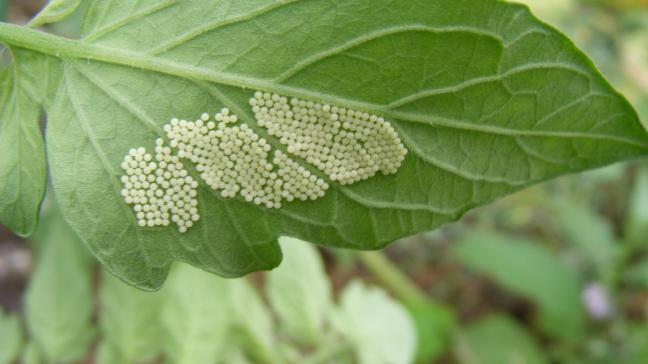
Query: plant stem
392,278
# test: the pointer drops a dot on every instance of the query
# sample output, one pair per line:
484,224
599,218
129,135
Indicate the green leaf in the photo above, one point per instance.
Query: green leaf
590,234
299,291
636,345
195,316
434,322
54,11
250,315
129,320
59,298
107,354
435,326
379,329
637,274
486,99
636,228
22,165
234,356
529,270
10,337
31,354
497,339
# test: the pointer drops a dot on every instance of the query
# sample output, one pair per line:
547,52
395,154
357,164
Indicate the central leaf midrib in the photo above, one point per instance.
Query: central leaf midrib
67,48
72,49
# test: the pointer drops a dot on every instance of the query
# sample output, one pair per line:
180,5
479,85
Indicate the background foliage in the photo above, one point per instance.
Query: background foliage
487,99
554,274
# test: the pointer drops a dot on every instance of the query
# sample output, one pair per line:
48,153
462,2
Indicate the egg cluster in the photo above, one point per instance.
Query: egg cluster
159,189
233,159
347,145
297,181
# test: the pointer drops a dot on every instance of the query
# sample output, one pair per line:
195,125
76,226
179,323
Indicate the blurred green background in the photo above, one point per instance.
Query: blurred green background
557,273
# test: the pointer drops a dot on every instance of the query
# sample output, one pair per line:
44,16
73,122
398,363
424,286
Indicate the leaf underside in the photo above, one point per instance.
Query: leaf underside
22,153
487,100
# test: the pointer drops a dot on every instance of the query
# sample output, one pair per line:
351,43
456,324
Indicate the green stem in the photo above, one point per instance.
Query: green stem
25,37
392,278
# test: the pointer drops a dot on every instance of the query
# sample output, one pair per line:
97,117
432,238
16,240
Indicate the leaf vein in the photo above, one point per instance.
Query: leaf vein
413,146
465,125
126,20
105,163
194,33
354,42
127,105
481,80
363,200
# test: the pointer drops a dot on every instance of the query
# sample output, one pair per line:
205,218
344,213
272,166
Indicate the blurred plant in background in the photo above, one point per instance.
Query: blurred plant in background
73,310
557,273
